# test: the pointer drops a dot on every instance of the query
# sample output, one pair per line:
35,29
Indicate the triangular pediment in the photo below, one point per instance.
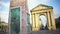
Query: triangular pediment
42,6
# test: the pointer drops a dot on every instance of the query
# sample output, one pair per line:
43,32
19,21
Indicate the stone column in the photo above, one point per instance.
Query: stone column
49,23
37,22
31,20
53,21
33,23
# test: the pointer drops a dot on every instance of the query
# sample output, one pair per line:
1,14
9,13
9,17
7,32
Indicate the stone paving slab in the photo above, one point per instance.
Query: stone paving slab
46,32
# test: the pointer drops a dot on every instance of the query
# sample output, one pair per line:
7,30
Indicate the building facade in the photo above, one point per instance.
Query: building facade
18,17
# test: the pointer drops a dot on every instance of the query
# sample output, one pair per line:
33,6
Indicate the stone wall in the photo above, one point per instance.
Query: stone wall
23,4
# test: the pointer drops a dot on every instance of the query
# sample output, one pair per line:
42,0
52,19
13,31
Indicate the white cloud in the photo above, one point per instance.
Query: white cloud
4,16
5,4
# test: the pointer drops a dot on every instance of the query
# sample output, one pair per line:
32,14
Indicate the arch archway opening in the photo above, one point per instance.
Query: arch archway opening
43,20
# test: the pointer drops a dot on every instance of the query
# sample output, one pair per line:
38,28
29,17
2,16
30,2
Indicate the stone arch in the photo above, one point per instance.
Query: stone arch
42,10
44,16
43,20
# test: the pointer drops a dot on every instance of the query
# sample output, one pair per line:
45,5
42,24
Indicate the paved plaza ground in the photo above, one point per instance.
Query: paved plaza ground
40,32
46,32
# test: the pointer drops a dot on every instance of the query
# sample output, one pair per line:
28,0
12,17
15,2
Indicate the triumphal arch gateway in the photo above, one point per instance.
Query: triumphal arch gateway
46,11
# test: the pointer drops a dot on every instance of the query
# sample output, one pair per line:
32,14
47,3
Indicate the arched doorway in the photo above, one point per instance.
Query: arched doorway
43,20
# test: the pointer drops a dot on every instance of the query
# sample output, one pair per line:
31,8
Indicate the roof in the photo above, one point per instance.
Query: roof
42,7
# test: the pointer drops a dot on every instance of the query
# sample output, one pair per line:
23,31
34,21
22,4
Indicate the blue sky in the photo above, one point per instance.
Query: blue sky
54,3
4,10
4,7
